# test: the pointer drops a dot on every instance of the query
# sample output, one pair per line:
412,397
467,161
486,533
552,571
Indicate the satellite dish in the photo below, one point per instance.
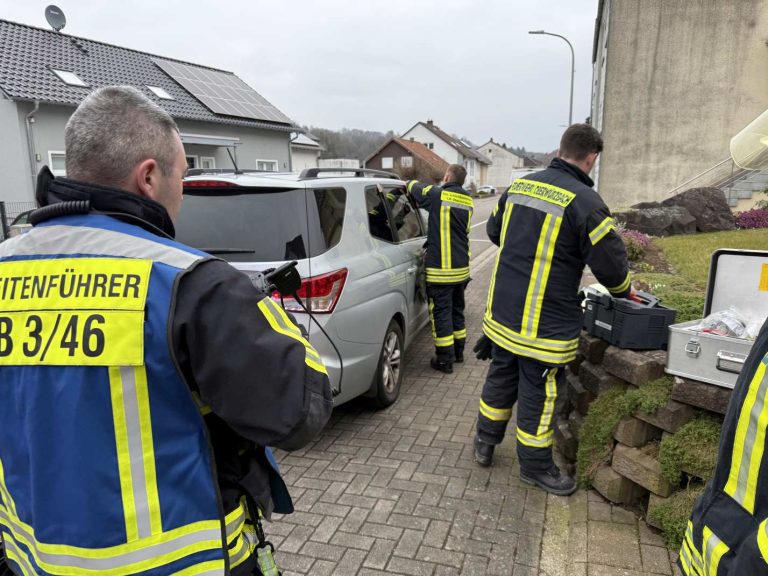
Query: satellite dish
55,17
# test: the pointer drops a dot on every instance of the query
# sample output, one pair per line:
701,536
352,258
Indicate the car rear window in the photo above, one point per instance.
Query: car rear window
262,225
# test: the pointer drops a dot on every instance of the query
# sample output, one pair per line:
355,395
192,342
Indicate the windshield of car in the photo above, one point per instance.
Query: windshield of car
262,225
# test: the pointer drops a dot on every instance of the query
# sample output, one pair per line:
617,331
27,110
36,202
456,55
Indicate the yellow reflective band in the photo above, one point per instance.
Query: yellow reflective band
239,552
762,539
542,191
545,344
13,552
495,414
535,441
280,323
457,198
557,358
460,334
148,450
600,231
714,549
696,562
495,210
686,561
410,185
234,522
504,224
623,287
426,190
443,341
123,454
749,440
6,496
74,284
432,317
550,385
445,237
202,406
541,288
210,568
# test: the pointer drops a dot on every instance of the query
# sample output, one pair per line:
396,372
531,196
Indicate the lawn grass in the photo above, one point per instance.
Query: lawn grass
690,254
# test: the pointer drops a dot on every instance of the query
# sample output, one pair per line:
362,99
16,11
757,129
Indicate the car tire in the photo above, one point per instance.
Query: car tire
389,371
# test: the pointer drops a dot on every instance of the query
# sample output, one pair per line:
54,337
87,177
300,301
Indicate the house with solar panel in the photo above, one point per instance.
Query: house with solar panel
45,74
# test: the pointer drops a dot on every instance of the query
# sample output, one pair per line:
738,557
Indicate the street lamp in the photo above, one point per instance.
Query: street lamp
573,67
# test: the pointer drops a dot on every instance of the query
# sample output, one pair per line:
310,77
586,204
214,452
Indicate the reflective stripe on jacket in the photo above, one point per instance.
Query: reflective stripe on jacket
548,226
728,531
105,463
450,213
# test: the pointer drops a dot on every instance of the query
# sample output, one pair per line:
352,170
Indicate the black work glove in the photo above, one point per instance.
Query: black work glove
483,348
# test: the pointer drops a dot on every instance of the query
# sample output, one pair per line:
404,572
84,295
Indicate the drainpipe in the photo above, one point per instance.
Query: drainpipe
290,151
29,119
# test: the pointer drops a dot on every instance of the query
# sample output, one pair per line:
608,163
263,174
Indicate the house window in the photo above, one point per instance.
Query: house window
160,93
406,161
387,162
68,77
57,163
431,145
267,165
207,162
191,162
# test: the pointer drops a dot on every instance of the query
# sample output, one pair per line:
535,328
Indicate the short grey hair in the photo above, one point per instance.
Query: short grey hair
114,129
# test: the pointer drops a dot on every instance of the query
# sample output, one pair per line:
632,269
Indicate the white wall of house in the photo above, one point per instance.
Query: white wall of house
304,158
339,163
447,152
16,185
503,162
48,135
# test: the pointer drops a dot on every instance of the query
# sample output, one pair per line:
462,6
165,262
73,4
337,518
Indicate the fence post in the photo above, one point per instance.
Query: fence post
4,220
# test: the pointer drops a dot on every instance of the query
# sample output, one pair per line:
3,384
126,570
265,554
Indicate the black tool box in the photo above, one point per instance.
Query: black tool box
639,324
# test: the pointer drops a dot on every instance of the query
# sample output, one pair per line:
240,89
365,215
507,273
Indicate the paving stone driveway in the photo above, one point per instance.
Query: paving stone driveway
397,492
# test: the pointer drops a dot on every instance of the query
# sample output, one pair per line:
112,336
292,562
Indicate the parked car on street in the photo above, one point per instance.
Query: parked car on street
358,240
20,224
486,190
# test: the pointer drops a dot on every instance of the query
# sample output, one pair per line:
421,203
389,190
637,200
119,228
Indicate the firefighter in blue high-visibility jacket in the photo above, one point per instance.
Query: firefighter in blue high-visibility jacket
547,226
141,380
450,210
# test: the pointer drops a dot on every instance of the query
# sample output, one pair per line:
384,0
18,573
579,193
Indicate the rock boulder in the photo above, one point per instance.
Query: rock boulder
708,206
661,221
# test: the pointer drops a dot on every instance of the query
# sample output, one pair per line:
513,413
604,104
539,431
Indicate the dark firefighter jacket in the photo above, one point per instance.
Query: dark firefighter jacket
548,226
103,447
450,210
728,531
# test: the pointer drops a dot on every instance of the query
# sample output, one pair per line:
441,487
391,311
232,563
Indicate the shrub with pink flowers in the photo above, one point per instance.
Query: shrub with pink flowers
636,243
755,218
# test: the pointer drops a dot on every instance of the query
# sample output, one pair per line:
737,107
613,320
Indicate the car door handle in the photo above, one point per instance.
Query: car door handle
412,270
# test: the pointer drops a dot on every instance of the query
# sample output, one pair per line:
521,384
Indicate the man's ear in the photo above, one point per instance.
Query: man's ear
145,179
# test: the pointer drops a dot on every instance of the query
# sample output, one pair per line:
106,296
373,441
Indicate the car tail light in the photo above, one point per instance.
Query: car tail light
319,293
209,184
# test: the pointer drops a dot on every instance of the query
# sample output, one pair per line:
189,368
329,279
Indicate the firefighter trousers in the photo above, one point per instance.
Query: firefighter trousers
446,311
534,386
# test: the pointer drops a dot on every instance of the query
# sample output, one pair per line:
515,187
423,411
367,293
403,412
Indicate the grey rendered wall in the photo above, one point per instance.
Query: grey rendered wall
256,144
15,173
49,137
682,78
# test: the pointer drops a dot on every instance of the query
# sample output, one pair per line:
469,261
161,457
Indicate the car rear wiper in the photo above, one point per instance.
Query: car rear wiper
227,250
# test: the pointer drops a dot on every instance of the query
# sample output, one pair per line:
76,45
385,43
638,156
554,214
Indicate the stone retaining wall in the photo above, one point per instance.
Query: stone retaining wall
632,475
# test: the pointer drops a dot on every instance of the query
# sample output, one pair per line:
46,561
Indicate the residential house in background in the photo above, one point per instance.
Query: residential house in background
673,82
44,75
452,150
305,152
339,163
503,162
409,159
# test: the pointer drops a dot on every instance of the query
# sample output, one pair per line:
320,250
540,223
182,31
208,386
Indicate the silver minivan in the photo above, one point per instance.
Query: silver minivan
359,242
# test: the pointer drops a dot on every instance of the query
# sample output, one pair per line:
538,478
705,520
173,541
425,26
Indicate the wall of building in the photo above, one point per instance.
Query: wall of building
15,171
499,173
303,158
392,150
441,148
680,79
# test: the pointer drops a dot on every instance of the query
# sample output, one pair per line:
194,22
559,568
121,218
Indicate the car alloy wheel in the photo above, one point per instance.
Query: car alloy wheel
390,366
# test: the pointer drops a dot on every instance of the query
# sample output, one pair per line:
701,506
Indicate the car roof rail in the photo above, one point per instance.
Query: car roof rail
358,172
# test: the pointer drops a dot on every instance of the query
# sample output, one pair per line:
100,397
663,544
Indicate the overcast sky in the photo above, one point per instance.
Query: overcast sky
469,65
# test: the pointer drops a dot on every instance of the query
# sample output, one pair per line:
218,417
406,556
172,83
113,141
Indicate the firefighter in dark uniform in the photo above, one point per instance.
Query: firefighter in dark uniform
142,380
450,210
727,534
547,226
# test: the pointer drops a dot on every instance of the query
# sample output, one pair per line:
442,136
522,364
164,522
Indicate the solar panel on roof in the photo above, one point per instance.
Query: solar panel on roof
222,93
